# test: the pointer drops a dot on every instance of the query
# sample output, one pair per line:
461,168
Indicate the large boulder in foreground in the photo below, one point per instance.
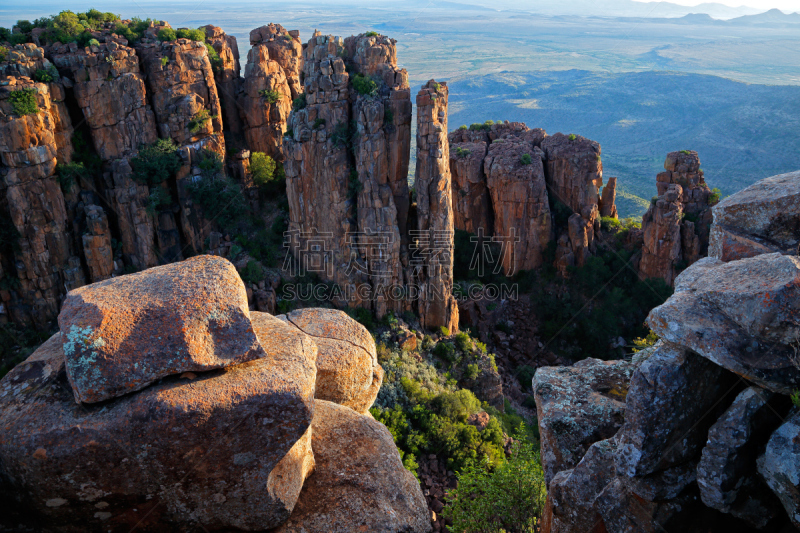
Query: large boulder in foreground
674,398
780,468
226,448
741,315
577,406
763,218
348,372
359,483
124,333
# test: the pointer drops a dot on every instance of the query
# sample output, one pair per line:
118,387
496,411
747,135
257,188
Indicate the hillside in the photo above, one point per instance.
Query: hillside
741,131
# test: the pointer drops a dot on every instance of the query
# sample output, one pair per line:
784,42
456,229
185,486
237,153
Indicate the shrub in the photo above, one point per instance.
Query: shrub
444,331
610,223
299,102
158,200
364,85
164,61
388,116
213,57
795,397
572,136
156,163
642,343
472,371
477,126
252,273
463,342
199,121
371,34
686,152
462,127
715,196
462,152
267,174
445,351
318,123
46,75
3,52
525,159
510,498
654,200
134,30
69,173
93,42
210,163
270,96
192,35
220,199
167,34
23,102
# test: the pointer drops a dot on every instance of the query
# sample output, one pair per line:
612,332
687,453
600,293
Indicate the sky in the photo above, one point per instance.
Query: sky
787,6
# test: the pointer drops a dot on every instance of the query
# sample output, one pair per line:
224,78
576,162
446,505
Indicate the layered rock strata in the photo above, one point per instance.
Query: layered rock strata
434,236
227,76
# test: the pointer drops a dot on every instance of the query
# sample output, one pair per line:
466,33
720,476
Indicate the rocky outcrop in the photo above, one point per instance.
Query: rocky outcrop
84,467
578,406
226,76
197,309
344,163
183,91
271,82
348,372
472,205
42,258
435,230
677,224
97,247
698,442
757,220
359,481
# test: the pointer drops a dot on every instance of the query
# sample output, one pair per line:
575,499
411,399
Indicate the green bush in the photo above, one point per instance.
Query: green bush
69,173
388,116
371,34
445,351
213,57
252,273
299,102
463,342
192,35
572,136
267,174
199,121
472,371
444,331
156,163
462,152
164,61
46,75
270,96
715,196
159,199
477,126
364,85
3,52
93,42
610,223
209,162
134,30
525,159
463,127
509,498
18,38
23,102
318,123
167,34
221,200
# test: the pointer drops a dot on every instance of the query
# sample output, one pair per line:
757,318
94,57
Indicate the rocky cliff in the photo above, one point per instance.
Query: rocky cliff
188,378
691,431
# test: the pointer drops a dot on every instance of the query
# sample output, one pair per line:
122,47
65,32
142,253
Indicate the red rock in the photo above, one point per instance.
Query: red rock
196,310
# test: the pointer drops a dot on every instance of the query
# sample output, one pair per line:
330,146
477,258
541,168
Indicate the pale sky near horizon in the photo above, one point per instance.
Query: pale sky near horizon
787,6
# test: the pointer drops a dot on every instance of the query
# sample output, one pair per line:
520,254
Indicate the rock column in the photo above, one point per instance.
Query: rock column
437,307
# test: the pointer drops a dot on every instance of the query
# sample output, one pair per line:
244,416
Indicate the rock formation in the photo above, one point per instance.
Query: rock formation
226,76
271,82
347,161
435,230
705,434
494,166
677,224
41,252
218,442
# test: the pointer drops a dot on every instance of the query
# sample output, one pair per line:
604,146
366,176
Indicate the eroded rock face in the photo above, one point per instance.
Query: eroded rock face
726,473
674,397
578,406
348,372
472,206
740,315
519,200
97,244
197,309
677,224
762,218
780,469
359,480
46,263
271,82
226,76
224,449
437,307
110,91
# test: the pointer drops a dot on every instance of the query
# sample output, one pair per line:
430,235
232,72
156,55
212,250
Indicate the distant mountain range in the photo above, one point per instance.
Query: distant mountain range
771,18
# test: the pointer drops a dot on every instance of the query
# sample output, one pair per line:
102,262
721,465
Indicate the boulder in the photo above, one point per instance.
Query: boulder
124,333
726,474
674,397
779,467
359,483
624,512
741,315
225,448
578,406
758,219
348,372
